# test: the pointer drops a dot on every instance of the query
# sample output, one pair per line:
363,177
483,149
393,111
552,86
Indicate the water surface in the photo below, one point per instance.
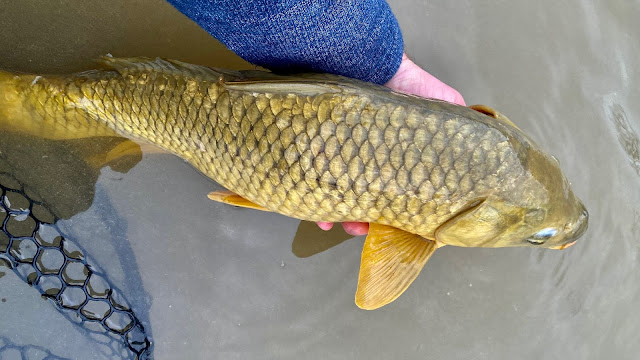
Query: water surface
208,280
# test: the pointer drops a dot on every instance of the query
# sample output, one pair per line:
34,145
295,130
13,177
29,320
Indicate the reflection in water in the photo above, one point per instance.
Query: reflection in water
310,240
522,57
9,350
32,244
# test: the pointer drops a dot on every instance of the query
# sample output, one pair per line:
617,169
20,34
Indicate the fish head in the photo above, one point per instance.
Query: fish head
559,218
542,212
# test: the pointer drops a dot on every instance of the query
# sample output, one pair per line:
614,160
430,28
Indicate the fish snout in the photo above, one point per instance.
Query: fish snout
576,230
581,224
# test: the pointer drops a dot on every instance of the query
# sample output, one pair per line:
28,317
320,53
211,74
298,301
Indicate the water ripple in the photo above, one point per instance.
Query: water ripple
626,135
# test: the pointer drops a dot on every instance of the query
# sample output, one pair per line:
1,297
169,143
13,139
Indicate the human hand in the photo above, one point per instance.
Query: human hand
410,79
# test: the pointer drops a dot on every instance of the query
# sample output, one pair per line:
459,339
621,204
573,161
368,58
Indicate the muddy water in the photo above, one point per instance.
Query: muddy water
205,279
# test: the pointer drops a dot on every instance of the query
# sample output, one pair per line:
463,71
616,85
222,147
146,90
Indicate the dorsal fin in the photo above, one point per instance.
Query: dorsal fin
282,87
126,65
245,80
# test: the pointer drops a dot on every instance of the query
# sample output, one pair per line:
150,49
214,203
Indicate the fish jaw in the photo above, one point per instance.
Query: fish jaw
577,229
562,247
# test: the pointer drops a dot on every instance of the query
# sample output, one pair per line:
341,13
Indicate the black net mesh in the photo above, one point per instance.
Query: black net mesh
33,246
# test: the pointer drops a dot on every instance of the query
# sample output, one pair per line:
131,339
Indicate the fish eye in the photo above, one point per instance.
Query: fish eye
541,236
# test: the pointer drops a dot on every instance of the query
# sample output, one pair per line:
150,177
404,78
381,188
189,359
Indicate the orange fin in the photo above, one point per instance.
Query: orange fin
126,148
149,148
391,260
228,197
489,111
123,149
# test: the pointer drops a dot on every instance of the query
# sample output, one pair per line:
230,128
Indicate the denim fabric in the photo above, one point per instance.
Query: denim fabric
359,38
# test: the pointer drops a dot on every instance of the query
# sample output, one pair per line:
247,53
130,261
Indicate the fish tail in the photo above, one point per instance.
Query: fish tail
9,100
6,77
18,106
39,106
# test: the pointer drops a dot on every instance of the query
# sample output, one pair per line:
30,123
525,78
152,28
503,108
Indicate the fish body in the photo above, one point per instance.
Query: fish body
320,147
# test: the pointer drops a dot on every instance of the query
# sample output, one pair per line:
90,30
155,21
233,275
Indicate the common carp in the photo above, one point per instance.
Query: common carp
424,173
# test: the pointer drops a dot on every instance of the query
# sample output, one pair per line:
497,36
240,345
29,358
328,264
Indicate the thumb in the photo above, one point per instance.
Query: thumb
412,79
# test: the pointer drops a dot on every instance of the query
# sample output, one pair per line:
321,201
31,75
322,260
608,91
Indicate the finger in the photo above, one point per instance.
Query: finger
356,228
412,79
325,225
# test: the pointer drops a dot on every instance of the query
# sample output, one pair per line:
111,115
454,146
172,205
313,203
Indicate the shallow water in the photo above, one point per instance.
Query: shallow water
205,280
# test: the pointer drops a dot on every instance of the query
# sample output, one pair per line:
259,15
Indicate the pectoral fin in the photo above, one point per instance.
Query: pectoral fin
391,260
123,149
478,226
489,111
228,197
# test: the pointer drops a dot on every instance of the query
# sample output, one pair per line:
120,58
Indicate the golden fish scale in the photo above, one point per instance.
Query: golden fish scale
335,156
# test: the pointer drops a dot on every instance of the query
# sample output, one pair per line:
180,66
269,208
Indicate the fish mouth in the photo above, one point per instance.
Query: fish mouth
563,246
581,226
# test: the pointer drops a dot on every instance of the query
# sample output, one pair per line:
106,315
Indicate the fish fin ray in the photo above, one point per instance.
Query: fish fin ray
293,86
134,64
231,198
245,80
391,260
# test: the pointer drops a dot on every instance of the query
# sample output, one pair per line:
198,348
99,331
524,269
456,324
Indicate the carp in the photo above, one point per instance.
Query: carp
424,173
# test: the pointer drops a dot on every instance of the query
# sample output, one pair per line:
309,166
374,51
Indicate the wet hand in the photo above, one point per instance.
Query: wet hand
410,79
